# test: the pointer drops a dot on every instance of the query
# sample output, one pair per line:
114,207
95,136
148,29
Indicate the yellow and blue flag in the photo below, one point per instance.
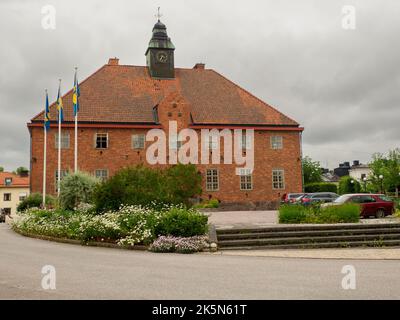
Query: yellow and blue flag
75,95
47,114
60,107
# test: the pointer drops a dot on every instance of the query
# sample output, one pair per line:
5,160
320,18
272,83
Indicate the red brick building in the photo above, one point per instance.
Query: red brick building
120,103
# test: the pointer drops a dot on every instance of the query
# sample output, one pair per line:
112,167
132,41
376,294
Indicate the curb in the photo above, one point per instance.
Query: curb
78,242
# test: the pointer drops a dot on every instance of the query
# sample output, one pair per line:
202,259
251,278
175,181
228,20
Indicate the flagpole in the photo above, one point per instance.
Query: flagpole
59,146
44,160
76,130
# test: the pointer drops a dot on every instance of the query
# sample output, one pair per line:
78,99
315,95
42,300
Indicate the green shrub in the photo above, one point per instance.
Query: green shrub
346,213
320,187
148,187
348,184
182,183
76,188
34,200
292,214
180,222
213,203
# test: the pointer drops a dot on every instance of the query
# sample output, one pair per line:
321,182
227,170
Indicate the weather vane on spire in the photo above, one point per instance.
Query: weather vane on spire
158,15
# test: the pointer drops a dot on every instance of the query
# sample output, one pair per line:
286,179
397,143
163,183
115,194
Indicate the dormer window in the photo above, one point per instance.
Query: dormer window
8,181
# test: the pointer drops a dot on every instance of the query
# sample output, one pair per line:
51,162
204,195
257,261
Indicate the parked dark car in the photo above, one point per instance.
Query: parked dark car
290,197
317,197
377,205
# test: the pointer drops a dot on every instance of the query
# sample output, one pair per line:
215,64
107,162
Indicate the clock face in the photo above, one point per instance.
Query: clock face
162,57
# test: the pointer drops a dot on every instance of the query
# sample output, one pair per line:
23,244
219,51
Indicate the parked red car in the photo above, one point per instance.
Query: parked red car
377,205
290,197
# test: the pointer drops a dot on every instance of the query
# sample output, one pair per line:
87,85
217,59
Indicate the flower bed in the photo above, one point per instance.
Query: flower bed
127,227
179,244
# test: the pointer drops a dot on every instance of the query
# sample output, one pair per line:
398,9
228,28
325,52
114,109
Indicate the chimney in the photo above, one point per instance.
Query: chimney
199,66
356,163
113,61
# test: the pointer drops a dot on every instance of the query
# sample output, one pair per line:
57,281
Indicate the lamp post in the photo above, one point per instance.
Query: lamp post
381,178
352,185
365,184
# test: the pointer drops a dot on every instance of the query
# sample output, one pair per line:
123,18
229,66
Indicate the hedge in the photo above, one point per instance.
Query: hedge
346,213
320,187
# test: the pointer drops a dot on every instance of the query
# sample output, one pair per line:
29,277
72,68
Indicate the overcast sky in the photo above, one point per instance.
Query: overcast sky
342,85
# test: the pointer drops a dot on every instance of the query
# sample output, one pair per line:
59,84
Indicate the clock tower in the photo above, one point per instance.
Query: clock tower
160,53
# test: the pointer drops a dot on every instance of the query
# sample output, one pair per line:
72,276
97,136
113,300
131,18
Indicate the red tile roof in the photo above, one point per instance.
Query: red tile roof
127,94
17,181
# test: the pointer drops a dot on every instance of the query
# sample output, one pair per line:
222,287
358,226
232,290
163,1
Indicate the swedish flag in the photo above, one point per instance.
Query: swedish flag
75,95
47,114
60,107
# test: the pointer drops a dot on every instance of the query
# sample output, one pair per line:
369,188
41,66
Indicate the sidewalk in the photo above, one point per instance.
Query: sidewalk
239,219
342,253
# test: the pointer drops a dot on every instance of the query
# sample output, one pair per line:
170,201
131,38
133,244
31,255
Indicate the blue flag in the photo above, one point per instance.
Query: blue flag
60,107
75,95
47,114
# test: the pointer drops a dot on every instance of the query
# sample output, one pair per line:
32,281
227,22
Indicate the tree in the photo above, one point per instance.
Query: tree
21,170
349,185
145,186
387,167
1,169
77,188
311,170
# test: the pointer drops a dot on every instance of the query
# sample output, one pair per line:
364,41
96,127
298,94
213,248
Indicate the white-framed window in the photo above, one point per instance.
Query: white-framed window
101,140
101,174
63,174
278,179
138,141
64,140
276,142
8,181
174,143
7,197
212,143
212,180
245,142
22,196
246,179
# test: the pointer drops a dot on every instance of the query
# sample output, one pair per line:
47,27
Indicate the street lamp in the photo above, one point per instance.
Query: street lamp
365,184
381,178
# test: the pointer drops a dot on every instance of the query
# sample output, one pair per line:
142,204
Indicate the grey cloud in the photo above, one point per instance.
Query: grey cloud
342,86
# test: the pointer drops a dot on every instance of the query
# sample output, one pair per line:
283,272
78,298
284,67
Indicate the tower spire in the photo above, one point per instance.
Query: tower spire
158,15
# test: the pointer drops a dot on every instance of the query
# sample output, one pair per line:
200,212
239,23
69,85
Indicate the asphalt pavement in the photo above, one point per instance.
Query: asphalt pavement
101,273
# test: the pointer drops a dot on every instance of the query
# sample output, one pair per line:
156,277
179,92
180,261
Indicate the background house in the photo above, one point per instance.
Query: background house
359,171
13,189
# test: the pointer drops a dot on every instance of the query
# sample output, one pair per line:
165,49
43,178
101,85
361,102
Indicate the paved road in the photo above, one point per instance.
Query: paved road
101,273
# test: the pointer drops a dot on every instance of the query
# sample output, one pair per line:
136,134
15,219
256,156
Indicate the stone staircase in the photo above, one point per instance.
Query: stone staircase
309,236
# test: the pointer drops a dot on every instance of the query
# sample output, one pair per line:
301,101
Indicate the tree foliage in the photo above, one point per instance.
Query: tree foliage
34,200
349,185
387,166
311,171
21,170
143,186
